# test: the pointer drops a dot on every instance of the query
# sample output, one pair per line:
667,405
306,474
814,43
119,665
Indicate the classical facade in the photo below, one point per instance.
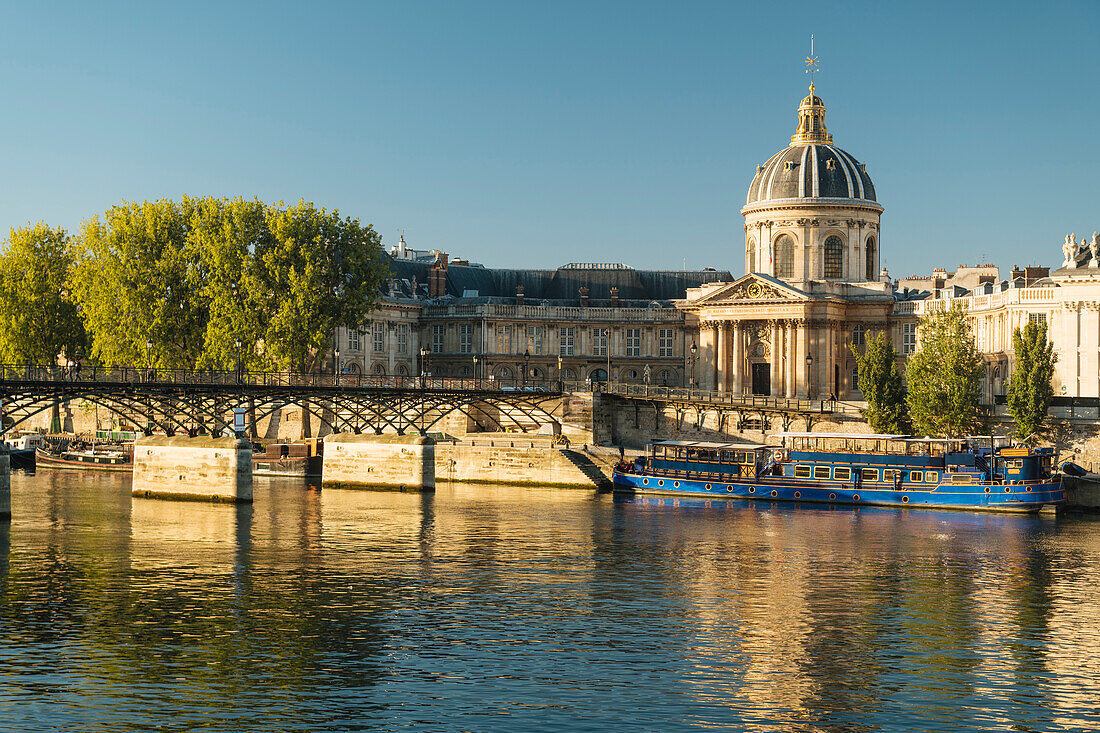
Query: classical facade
813,284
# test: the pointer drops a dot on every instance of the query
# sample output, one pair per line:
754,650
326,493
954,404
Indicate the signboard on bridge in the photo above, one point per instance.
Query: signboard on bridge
239,414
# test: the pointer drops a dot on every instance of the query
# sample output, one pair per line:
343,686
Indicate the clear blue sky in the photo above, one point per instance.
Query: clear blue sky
524,134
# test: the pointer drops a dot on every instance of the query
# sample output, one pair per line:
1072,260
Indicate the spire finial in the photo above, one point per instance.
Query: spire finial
811,63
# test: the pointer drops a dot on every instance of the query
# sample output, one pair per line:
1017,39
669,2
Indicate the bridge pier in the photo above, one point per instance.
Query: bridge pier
5,485
193,469
405,462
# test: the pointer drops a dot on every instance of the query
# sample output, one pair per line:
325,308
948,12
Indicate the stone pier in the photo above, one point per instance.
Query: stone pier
193,469
5,485
405,462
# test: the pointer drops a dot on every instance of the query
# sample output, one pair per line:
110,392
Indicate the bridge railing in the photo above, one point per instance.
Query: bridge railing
725,399
38,373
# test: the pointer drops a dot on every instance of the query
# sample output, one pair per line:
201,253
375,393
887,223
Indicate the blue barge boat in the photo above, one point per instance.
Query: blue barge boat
845,468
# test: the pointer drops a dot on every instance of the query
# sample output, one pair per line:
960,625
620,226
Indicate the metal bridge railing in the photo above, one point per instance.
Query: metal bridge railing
725,399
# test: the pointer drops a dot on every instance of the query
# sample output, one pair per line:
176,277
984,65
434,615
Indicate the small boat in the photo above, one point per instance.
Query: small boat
289,459
21,449
844,468
97,458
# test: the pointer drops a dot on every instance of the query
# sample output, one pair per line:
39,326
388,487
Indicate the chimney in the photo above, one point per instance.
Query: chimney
437,282
614,296
519,295
584,297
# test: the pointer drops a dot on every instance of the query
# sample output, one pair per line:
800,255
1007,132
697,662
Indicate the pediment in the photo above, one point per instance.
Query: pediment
755,288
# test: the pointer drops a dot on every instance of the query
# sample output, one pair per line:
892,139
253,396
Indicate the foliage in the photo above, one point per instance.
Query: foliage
39,317
1030,386
944,375
882,387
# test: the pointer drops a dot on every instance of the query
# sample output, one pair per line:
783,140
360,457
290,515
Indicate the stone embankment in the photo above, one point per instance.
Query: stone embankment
522,459
196,469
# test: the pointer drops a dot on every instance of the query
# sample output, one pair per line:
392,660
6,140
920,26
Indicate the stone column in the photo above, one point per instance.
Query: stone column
776,366
736,375
723,360
789,354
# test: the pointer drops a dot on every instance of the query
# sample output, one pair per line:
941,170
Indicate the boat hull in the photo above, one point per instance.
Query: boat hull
1017,498
47,460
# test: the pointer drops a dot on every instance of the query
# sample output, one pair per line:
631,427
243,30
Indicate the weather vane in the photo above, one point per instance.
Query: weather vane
811,61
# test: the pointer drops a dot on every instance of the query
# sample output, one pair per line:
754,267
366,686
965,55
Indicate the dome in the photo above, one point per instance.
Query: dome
812,167
814,170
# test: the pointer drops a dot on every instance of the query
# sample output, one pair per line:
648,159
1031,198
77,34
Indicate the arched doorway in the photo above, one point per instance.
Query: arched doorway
598,375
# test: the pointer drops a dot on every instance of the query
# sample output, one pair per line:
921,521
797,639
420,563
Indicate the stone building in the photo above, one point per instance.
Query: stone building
813,284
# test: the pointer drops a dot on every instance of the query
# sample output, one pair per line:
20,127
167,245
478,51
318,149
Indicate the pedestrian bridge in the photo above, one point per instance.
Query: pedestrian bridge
195,402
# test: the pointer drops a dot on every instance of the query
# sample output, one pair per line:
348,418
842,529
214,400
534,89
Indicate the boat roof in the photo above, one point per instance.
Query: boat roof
706,445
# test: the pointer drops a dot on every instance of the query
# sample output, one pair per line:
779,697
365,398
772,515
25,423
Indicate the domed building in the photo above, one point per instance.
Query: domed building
812,282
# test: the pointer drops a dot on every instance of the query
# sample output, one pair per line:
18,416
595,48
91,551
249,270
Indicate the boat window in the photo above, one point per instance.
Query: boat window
868,474
931,477
1018,463
962,478
728,456
821,472
843,474
890,474
916,476
802,471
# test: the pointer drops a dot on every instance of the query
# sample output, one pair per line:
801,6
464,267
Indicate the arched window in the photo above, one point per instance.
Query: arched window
784,256
379,369
870,258
751,259
834,257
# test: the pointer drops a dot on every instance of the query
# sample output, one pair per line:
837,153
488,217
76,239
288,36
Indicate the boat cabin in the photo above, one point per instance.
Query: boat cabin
699,459
25,442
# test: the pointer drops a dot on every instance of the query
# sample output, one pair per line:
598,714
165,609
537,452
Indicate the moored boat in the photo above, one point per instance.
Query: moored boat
889,470
302,458
21,449
96,458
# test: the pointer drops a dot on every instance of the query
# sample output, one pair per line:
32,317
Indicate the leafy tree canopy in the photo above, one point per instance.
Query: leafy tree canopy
39,317
882,387
944,375
1030,386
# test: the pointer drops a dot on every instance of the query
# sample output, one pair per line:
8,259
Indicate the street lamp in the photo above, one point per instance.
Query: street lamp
526,360
477,375
561,381
424,351
149,358
238,343
809,374
691,368
336,362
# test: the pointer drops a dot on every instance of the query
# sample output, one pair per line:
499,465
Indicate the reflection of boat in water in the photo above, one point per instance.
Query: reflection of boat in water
96,458
889,470
21,449
289,459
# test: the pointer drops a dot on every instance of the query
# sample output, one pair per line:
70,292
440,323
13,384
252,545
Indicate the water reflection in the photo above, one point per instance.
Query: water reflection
491,607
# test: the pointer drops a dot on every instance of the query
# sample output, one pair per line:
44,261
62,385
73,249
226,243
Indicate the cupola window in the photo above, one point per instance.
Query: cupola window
870,258
784,256
834,257
830,164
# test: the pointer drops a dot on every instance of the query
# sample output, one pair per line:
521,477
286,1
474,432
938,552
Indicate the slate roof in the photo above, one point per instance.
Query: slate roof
814,171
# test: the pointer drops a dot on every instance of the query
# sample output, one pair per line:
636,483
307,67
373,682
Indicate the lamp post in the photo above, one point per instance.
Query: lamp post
809,374
149,359
336,363
691,368
237,377
424,351
526,361
561,380
477,375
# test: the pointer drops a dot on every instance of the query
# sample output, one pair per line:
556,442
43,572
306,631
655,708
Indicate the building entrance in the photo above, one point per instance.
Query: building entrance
762,379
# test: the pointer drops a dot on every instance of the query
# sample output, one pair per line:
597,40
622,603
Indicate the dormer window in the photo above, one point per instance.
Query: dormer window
830,164
789,165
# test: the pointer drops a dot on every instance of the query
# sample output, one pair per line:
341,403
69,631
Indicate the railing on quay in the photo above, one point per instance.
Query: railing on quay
35,373
725,399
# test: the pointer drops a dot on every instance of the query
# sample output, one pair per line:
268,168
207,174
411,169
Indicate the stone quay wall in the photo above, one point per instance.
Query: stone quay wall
521,459
5,484
198,469
405,462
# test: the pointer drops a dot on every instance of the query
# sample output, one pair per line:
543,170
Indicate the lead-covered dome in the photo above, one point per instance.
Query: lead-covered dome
812,167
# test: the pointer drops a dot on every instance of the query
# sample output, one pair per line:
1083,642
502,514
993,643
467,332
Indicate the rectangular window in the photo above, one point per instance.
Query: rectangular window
916,476
1040,318
868,474
889,474
962,478
537,336
859,335
802,471
437,339
908,338
504,339
465,338
842,474
402,338
565,347
353,339
932,477
599,342
379,336
665,341
633,342
821,472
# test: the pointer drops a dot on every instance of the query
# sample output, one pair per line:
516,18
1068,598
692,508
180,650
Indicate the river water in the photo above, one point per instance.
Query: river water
499,608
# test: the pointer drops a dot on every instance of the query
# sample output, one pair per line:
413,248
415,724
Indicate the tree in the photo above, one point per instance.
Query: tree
944,375
39,317
1030,387
139,282
881,385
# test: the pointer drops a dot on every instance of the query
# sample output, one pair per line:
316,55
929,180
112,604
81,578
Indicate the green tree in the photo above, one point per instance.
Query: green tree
139,281
39,316
944,375
1030,386
881,385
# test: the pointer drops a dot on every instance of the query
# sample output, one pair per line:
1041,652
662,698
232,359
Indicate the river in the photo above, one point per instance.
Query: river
517,609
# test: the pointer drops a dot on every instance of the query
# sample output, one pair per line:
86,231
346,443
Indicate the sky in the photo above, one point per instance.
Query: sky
522,134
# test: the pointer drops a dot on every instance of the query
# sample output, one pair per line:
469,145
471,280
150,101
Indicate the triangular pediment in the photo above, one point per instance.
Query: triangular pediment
753,287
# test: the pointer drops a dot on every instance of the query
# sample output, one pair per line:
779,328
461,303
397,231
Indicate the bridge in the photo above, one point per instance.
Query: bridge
196,402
